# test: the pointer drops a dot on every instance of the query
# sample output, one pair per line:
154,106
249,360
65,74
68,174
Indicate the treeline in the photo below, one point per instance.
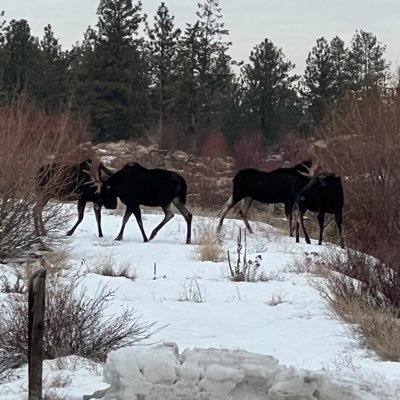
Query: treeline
132,73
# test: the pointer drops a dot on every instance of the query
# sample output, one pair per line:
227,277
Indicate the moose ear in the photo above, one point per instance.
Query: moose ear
100,175
104,172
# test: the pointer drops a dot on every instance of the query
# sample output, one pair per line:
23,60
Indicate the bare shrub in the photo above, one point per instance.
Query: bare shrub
248,151
8,363
362,291
214,145
376,328
312,263
173,136
208,196
108,267
31,138
361,142
192,292
74,324
15,286
209,244
377,280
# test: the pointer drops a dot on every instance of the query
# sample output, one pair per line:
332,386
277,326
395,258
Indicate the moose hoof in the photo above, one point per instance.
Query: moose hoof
69,233
119,238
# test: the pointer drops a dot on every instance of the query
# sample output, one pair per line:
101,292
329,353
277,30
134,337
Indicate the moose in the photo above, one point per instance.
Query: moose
322,193
136,185
275,186
67,183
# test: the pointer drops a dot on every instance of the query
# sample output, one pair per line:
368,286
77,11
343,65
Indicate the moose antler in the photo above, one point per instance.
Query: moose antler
313,171
95,180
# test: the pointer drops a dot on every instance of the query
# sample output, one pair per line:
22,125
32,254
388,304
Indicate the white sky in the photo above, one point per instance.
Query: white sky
293,25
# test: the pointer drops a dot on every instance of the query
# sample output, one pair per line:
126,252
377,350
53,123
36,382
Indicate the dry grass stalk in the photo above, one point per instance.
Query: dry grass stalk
311,264
192,292
209,244
108,267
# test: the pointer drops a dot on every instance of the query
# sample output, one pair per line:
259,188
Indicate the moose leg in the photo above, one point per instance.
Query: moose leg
289,217
127,214
188,218
136,211
81,211
300,215
244,209
321,217
168,215
303,227
338,220
228,205
97,213
297,225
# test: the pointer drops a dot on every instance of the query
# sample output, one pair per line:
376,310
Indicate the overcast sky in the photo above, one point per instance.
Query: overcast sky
293,25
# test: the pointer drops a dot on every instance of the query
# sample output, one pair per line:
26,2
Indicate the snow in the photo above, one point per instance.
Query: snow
284,317
161,372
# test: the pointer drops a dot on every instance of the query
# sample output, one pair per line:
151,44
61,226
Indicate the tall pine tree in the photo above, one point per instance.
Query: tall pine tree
341,76
114,78
21,53
204,68
319,80
162,56
53,67
270,98
366,63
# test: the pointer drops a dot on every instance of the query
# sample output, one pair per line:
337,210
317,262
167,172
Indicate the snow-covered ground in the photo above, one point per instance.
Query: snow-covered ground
283,317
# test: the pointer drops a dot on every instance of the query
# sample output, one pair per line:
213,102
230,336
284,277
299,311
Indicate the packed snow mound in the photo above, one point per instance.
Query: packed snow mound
160,372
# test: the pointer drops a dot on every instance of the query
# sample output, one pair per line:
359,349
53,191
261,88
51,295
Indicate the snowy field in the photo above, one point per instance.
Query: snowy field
283,317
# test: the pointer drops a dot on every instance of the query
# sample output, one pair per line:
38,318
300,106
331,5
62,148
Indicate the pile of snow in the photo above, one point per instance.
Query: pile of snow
160,372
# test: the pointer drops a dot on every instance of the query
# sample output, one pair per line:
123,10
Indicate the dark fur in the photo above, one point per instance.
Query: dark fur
67,183
136,185
266,187
322,194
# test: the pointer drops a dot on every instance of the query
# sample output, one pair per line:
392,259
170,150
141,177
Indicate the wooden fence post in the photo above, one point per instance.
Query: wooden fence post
36,308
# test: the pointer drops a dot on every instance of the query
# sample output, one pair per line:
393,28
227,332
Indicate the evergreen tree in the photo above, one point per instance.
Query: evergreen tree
270,97
366,63
215,73
52,90
339,58
204,68
319,80
162,55
21,53
188,77
113,77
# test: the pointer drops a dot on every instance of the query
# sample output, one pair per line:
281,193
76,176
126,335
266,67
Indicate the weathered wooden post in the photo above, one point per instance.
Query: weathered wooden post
36,308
